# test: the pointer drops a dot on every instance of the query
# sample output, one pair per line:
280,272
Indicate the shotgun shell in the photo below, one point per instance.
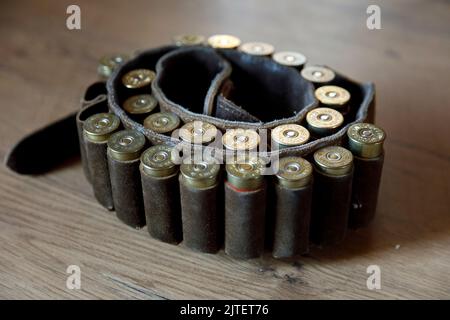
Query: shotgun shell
318,75
157,161
333,97
245,208
161,191
294,172
99,127
109,63
366,140
162,122
140,104
201,206
331,195
290,59
324,121
224,41
245,174
257,48
240,139
200,175
126,145
189,40
288,135
334,160
138,78
292,207
124,150
198,132
96,131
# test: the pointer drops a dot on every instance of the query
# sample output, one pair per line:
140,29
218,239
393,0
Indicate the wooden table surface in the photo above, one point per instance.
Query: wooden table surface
52,221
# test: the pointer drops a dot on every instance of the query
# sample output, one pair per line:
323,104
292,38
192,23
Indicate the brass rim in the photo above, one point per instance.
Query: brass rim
366,140
289,58
138,78
332,96
294,172
245,173
334,160
288,135
162,122
126,145
99,127
224,41
203,174
257,48
240,139
157,161
317,74
140,104
198,132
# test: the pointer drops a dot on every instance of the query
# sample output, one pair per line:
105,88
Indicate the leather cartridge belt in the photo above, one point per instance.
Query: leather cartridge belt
221,144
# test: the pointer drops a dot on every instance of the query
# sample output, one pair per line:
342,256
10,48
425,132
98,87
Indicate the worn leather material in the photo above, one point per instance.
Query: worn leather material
331,206
244,222
45,149
366,183
202,217
98,169
94,102
225,87
292,220
162,207
229,88
127,191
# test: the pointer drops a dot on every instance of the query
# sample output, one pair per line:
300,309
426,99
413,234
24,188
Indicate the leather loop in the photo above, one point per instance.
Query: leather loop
190,82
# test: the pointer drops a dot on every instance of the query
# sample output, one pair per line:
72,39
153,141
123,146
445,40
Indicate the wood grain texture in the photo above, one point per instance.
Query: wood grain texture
52,221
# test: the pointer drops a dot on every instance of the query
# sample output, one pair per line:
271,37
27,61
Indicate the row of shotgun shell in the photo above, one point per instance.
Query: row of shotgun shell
325,120
242,209
315,74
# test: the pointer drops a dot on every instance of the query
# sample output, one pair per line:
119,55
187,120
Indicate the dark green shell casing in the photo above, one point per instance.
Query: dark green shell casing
201,206
161,190
124,150
97,130
244,221
366,184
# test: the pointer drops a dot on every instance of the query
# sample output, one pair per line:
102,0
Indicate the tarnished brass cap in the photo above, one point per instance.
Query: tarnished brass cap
100,126
109,63
294,172
332,96
126,145
317,74
289,135
140,104
324,120
157,161
224,41
203,174
189,40
138,78
245,173
162,122
240,139
366,140
289,58
334,160
198,132
257,48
